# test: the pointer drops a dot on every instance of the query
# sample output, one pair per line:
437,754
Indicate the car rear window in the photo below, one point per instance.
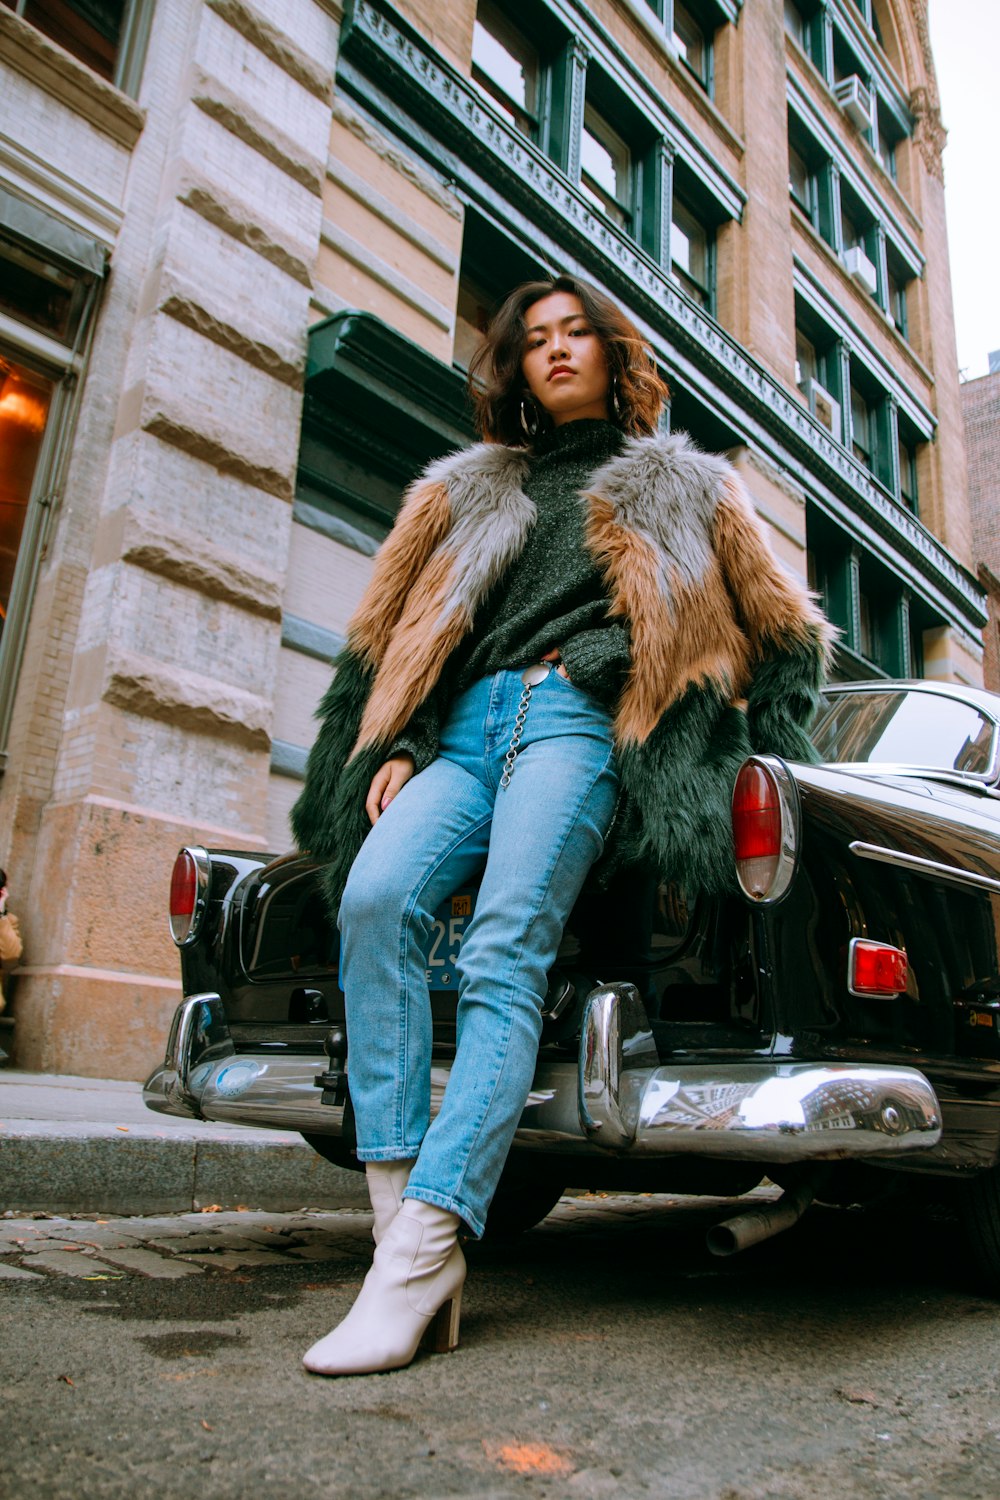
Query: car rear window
902,728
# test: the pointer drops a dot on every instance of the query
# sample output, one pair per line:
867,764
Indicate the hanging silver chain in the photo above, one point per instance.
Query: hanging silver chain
531,677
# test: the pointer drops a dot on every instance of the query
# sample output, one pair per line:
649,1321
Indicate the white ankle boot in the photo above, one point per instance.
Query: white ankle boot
413,1290
386,1181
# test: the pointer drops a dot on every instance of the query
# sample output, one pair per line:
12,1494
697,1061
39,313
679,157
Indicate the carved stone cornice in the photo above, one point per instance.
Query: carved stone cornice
929,134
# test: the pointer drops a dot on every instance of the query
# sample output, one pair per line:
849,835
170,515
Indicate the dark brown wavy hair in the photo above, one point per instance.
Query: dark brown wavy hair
497,385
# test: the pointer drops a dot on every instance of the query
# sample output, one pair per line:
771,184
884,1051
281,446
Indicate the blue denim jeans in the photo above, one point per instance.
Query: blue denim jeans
534,842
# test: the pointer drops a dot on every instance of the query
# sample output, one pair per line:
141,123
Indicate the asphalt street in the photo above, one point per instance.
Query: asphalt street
605,1353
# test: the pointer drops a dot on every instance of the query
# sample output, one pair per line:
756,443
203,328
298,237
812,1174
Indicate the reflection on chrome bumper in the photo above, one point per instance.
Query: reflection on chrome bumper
616,1100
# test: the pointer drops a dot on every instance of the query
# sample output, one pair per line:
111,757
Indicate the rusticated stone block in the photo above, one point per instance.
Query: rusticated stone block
228,214
188,560
276,45
232,112
187,700
190,309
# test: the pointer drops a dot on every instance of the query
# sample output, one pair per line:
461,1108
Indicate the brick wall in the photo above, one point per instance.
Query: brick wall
981,415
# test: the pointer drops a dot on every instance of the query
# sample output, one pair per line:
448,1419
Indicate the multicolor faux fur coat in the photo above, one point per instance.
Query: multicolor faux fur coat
713,617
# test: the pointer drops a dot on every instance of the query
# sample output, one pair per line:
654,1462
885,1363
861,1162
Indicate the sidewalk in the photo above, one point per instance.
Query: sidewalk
89,1145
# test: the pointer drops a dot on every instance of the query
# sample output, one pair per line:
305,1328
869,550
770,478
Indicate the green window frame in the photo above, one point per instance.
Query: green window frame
507,67
805,22
813,181
624,164
692,253
897,279
51,278
109,36
907,444
529,67
606,169
692,36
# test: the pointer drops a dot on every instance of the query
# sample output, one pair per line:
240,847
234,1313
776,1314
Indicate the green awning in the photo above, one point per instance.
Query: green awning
42,231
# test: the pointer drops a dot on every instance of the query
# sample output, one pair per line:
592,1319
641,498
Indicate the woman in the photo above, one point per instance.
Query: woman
575,624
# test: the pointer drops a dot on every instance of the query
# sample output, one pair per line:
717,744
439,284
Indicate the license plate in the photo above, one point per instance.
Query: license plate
450,921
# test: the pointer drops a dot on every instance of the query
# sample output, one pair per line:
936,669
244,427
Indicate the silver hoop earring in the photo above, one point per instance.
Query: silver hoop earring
529,417
616,404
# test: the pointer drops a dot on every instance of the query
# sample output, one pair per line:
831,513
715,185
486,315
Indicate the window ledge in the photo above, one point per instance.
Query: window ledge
641,15
71,82
803,222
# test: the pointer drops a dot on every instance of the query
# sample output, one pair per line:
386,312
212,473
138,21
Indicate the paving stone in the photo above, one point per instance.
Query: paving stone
236,1260
151,1264
31,1246
83,1232
17,1273
185,1243
68,1263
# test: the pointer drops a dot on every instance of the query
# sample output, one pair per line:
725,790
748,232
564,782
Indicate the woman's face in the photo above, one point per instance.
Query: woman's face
564,365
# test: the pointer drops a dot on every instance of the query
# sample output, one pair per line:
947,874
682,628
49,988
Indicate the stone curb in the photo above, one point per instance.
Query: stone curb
90,1146
49,1171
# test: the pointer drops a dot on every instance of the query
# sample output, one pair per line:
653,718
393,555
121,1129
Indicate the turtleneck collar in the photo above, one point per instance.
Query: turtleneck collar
589,437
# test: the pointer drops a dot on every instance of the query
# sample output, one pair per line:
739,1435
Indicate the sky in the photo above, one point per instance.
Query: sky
965,39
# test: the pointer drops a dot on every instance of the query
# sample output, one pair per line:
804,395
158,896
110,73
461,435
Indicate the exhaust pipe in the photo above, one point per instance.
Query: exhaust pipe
761,1223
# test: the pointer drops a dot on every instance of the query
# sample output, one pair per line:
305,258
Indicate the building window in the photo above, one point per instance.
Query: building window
25,399
868,643
805,24
40,294
108,35
906,452
861,429
816,361
506,68
811,179
881,623
624,164
889,136
859,241
692,39
801,183
692,246
872,435
50,279
896,280
606,169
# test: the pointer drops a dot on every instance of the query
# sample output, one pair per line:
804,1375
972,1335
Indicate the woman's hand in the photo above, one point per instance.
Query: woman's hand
553,655
387,782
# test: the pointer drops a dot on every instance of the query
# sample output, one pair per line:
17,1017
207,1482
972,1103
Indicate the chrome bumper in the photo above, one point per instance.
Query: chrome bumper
616,1099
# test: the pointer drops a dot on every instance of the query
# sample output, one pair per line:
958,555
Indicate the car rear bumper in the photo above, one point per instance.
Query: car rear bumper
615,1098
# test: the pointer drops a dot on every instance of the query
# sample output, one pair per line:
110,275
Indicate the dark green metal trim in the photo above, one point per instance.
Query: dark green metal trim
375,38
311,640
288,760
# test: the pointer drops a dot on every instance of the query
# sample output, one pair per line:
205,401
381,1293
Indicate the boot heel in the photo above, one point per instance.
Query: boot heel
441,1336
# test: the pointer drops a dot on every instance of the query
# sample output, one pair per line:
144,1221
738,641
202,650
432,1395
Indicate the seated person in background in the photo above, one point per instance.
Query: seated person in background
11,946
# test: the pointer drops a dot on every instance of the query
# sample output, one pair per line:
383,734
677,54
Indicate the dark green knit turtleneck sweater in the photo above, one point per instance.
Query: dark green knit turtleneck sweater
552,595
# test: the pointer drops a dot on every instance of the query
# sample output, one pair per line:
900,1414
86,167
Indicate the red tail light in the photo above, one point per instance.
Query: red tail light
765,826
876,968
188,892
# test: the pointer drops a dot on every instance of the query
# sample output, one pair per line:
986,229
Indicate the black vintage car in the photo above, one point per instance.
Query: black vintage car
835,1025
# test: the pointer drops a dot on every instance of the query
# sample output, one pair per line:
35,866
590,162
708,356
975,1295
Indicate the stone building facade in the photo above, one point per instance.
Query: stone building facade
253,244
981,411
